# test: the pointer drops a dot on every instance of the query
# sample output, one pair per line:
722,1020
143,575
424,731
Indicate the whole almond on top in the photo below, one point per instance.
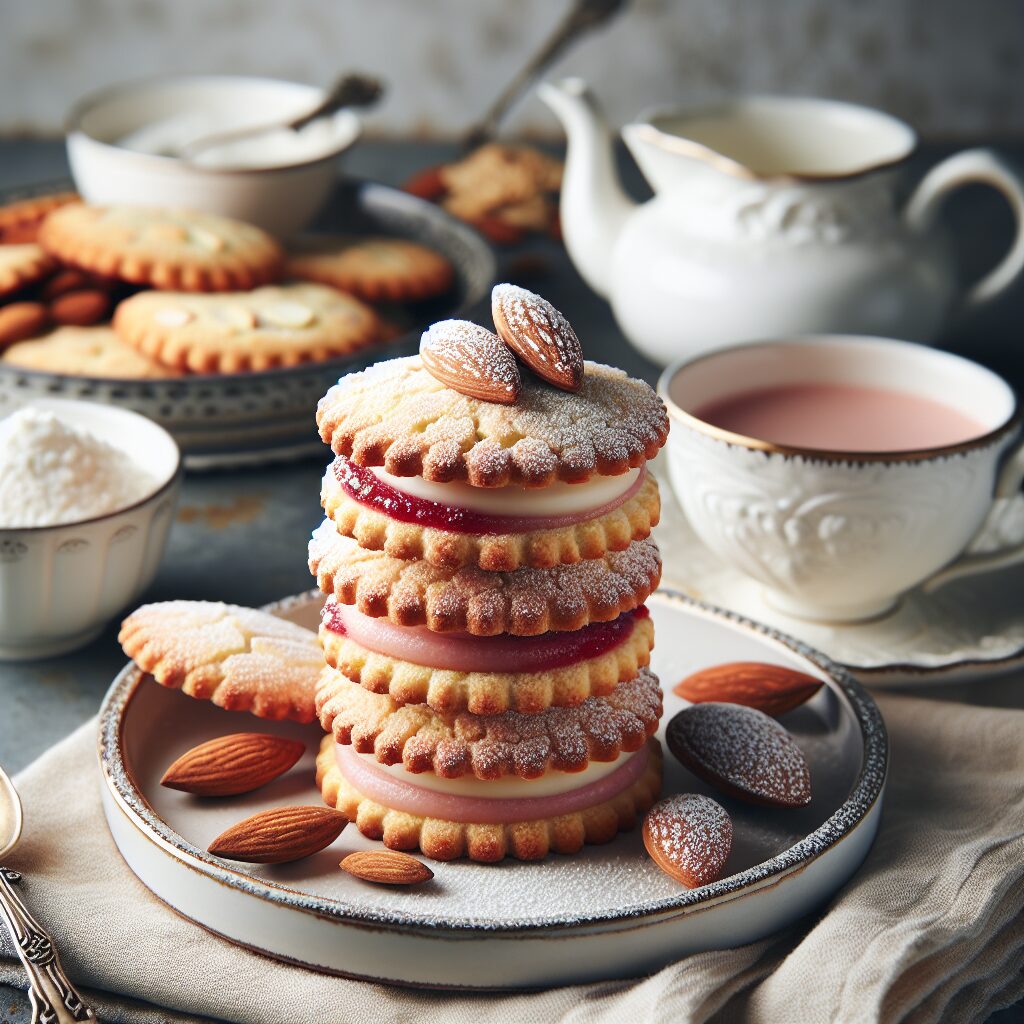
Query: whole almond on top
689,836
773,689
471,360
279,835
539,335
81,308
229,765
386,867
21,320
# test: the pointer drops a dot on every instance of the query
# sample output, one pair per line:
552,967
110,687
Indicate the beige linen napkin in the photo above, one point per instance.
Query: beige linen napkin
930,929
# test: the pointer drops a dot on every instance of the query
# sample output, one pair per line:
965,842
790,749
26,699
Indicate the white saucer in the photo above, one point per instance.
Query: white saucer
967,630
607,912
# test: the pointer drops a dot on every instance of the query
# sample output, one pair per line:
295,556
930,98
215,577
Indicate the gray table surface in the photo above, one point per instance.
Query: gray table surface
240,536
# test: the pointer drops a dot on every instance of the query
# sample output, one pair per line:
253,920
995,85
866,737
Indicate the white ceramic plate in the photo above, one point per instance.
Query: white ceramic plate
255,418
968,630
607,912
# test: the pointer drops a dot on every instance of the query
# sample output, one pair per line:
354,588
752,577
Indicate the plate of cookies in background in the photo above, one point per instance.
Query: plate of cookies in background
223,334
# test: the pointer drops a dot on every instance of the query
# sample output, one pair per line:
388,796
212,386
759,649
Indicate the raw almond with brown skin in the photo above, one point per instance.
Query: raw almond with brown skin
471,360
772,689
21,320
81,308
386,867
229,765
280,835
538,333
689,837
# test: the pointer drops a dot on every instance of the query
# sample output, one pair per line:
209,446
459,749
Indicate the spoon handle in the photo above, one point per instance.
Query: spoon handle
54,999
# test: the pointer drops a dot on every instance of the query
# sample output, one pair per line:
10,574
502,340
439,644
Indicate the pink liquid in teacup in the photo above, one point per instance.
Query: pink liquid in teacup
841,417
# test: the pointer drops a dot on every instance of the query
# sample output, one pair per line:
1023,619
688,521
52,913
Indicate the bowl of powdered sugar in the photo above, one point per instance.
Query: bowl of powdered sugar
87,497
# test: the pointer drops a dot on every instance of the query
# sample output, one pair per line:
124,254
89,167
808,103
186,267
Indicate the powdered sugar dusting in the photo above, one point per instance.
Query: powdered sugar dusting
690,835
491,746
538,333
741,750
476,353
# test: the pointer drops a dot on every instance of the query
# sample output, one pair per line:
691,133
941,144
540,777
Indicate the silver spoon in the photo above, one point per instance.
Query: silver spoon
583,16
53,998
349,91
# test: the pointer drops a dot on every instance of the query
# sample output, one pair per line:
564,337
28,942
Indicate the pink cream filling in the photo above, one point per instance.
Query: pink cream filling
363,486
390,792
461,652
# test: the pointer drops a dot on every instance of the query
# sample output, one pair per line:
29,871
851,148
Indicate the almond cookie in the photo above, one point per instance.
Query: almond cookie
22,265
525,602
241,659
281,325
375,269
490,746
406,815
20,220
485,675
85,352
397,415
381,516
183,250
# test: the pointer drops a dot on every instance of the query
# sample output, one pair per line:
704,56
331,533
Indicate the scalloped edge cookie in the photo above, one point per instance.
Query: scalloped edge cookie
396,415
491,746
526,840
22,265
20,219
490,693
227,254
633,520
240,659
377,269
525,602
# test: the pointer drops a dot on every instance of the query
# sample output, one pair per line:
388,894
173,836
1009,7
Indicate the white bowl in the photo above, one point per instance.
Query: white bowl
282,199
60,585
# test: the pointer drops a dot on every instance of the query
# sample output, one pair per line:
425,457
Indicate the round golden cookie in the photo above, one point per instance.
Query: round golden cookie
490,693
525,602
280,325
240,659
175,249
613,530
85,352
20,220
397,415
22,265
524,840
375,269
490,746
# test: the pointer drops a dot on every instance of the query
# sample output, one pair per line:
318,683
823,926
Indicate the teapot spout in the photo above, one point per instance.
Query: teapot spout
594,207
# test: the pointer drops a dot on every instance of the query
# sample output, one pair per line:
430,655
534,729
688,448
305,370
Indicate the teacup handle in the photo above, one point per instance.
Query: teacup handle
974,166
1008,483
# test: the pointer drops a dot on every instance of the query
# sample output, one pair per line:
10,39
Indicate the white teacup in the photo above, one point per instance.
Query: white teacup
840,535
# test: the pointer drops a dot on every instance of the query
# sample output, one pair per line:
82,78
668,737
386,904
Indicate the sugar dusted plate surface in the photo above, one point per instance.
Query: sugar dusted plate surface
586,899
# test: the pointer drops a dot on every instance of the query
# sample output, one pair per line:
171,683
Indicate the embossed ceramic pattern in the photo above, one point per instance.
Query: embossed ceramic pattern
968,630
772,216
60,585
837,536
607,912
255,418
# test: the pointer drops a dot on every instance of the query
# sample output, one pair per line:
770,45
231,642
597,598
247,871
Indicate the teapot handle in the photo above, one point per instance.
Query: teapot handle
970,167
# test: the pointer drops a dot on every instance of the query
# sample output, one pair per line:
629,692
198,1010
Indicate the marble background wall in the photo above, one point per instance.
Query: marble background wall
952,67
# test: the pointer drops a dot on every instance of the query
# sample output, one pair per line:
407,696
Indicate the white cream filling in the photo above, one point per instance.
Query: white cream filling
557,499
551,783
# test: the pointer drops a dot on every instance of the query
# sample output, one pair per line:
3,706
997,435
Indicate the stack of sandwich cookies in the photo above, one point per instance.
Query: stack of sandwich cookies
486,559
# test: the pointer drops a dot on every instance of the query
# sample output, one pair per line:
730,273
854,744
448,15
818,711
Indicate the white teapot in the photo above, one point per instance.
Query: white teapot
771,216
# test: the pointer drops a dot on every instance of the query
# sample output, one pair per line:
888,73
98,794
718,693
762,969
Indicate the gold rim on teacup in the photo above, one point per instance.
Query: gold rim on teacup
671,372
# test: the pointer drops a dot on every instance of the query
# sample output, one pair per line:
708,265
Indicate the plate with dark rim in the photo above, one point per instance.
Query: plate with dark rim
254,418
606,912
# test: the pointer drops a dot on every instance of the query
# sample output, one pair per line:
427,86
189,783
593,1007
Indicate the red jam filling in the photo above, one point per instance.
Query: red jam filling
496,653
367,488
